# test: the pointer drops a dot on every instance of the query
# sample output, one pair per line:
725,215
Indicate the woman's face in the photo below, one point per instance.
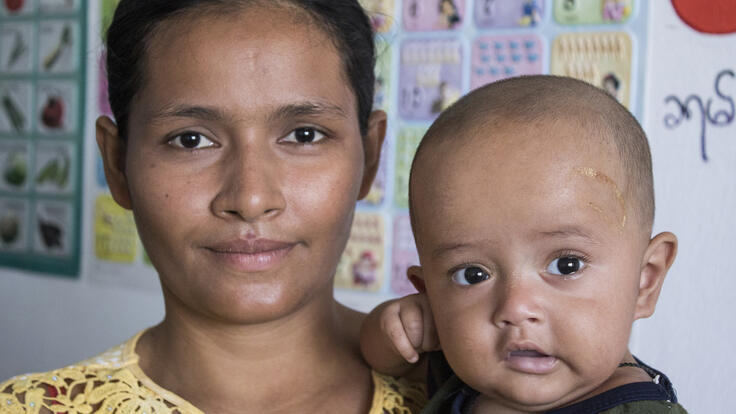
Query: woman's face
244,161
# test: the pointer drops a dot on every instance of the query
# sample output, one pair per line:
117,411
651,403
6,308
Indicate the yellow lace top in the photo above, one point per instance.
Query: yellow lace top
113,383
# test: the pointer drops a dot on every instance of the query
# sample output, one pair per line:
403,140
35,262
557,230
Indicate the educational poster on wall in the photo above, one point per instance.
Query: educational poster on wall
42,90
429,53
361,265
438,50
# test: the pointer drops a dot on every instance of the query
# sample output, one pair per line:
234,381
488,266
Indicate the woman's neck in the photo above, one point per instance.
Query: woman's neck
285,365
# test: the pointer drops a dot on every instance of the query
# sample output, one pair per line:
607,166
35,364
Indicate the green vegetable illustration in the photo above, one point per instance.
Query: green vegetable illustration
9,228
13,112
18,50
55,171
15,173
65,41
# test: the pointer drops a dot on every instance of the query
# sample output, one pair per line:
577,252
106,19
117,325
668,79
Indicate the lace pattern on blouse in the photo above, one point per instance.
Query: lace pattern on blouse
113,383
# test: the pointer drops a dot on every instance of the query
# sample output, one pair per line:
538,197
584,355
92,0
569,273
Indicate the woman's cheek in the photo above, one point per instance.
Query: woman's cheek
327,191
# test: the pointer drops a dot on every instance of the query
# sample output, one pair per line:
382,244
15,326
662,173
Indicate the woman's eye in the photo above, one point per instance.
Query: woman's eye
469,275
565,265
304,135
191,140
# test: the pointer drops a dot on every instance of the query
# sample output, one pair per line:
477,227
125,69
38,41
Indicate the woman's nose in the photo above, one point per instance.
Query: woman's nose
518,304
250,189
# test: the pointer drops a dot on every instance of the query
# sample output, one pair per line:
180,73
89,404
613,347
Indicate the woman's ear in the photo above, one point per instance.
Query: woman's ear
372,144
658,258
112,149
416,277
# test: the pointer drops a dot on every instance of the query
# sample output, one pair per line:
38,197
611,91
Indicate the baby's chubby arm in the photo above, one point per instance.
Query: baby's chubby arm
396,332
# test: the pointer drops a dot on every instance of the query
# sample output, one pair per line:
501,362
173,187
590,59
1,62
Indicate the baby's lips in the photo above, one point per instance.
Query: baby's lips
530,353
531,362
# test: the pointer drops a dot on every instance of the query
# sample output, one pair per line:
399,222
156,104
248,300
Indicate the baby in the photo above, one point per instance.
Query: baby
532,205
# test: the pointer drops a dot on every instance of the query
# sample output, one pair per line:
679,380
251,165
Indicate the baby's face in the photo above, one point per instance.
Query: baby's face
530,261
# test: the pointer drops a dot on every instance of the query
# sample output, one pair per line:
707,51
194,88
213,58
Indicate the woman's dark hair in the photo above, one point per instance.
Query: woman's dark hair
135,20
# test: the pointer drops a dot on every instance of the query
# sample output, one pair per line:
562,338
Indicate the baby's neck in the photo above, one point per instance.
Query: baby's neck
623,375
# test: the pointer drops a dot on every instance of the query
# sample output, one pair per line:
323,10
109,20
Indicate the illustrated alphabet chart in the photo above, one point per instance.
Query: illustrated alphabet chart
433,15
430,77
499,57
573,12
602,59
432,52
362,264
497,14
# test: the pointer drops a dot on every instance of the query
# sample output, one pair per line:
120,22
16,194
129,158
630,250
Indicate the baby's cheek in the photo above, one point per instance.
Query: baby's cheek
461,335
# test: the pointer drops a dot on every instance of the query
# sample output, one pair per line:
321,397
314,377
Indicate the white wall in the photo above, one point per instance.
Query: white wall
47,323
691,336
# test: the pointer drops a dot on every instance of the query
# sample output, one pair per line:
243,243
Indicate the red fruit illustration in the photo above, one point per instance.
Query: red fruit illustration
14,5
53,112
713,16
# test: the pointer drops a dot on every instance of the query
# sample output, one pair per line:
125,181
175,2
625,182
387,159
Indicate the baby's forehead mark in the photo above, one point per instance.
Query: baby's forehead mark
599,176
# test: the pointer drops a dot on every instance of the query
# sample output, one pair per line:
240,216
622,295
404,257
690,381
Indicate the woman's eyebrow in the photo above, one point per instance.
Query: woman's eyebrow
204,113
207,113
307,108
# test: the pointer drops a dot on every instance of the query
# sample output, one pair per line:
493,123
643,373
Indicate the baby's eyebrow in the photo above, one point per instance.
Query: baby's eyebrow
567,232
448,247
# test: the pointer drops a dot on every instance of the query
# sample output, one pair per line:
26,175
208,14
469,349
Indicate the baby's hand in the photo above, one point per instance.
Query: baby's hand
408,324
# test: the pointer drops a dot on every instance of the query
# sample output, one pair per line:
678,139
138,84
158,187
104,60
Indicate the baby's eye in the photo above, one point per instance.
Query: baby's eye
305,135
470,275
565,265
191,140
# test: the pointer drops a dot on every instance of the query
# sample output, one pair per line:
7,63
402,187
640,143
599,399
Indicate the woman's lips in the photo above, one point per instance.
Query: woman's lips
530,361
251,255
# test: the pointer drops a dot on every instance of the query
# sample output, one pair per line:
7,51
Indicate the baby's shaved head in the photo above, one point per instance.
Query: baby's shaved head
545,100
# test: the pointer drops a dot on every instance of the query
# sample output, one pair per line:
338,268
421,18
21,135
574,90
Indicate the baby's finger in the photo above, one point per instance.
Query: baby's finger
395,331
411,317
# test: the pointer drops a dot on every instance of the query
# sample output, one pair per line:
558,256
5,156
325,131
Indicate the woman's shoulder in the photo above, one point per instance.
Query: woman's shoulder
397,395
111,382
82,381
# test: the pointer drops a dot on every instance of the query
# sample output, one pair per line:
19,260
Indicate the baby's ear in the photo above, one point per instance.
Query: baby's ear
657,260
416,277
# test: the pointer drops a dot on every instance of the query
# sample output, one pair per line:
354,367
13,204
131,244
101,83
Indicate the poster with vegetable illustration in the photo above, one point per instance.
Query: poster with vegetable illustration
42,89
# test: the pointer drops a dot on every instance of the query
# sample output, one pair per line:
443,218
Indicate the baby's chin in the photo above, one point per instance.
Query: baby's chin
507,404
531,398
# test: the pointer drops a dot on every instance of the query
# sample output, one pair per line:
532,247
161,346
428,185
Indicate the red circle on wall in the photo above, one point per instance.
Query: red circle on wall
712,16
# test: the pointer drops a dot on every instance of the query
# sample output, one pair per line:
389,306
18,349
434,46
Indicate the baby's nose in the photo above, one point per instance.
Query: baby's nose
517,304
